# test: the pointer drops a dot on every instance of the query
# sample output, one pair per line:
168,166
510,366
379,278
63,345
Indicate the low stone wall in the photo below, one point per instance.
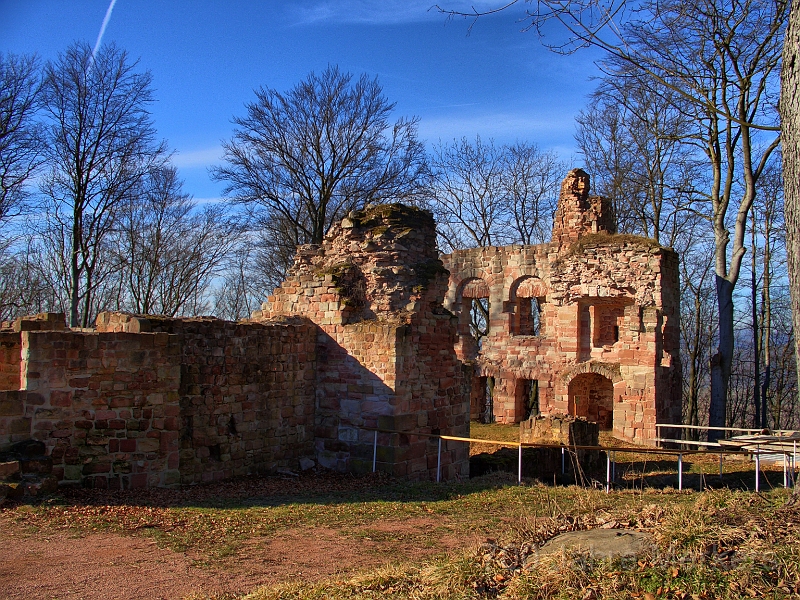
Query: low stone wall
105,405
247,401
178,401
14,426
563,429
566,430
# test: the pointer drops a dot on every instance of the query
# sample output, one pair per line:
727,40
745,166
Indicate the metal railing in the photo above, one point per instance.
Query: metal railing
660,426
789,456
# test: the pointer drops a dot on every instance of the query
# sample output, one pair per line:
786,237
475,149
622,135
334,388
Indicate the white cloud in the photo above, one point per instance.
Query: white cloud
204,157
379,12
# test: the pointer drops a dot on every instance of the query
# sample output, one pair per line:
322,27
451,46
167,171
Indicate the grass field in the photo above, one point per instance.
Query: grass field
470,539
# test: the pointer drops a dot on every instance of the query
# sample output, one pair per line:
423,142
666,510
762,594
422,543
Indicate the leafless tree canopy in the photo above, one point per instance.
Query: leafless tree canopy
20,134
167,249
488,195
304,158
101,143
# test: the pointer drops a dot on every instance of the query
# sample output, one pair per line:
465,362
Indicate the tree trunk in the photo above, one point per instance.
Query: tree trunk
721,362
756,327
75,282
790,122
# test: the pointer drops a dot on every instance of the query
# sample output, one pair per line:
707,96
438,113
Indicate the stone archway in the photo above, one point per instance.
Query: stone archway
591,395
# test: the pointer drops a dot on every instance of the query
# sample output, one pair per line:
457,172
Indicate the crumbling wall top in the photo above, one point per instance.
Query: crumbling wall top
578,213
376,263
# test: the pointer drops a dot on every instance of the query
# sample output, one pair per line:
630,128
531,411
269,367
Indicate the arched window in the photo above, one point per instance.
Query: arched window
528,297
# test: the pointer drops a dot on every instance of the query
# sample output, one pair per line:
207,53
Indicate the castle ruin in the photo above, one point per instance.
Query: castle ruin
587,325
370,331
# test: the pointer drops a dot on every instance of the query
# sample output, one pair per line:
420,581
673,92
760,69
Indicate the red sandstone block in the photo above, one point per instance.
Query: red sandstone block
118,402
59,398
116,424
96,467
169,441
113,445
127,445
105,414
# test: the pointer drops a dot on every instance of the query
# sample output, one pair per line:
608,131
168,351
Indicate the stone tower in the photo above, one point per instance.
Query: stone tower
385,356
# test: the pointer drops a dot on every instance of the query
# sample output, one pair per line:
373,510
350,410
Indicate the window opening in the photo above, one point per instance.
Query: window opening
531,398
488,412
479,319
530,313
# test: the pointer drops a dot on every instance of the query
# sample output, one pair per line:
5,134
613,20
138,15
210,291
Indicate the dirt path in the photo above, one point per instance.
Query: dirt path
105,566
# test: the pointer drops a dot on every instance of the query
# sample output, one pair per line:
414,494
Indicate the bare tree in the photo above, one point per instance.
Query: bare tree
24,287
488,195
531,183
20,134
101,144
633,136
168,250
305,158
467,195
723,60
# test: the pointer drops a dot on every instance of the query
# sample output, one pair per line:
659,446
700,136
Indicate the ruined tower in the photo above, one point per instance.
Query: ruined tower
385,355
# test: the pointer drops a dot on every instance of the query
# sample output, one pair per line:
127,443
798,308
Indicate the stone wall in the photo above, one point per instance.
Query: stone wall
10,357
606,305
245,392
144,402
104,405
355,339
386,359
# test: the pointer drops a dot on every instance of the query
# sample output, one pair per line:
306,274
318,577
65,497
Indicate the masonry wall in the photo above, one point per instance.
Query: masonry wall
105,405
608,305
385,349
178,401
245,393
10,348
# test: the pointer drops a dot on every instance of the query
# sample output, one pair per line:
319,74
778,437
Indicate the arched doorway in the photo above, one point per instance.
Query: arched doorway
592,396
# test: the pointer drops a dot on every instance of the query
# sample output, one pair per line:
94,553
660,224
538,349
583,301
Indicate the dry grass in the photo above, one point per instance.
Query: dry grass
711,544
493,431
718,544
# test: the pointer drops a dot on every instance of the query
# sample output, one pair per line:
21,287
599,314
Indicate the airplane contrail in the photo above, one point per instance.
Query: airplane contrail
106,19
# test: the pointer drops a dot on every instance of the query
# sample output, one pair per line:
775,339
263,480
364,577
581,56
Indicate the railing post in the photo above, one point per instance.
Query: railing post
758,466
439,462
785,471
375,452
680,472
563,470
519,465
608,471
614,466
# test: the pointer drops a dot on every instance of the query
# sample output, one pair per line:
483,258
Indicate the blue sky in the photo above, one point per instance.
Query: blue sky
207,57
